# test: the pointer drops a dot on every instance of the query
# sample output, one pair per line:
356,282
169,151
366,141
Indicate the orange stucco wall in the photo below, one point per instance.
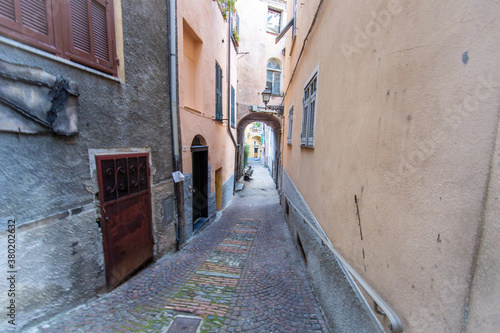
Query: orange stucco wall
203,40
407,113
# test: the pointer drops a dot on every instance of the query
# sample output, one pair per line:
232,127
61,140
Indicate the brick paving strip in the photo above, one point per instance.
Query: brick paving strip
210,290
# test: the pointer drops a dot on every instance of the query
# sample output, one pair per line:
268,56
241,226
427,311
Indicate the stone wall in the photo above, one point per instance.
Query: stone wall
47,180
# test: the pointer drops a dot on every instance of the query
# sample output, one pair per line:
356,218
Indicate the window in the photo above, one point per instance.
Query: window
218,92
273,76
309,113
294,30
78,30
290,125
255,143
273,21
232,107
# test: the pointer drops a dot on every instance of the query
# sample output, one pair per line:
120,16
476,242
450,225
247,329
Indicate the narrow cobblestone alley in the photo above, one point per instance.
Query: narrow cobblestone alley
239,274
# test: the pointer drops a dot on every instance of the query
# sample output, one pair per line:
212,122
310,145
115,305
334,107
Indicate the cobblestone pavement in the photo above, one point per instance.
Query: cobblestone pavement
239,274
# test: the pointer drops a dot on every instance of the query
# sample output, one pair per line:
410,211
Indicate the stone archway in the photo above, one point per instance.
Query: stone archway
272,120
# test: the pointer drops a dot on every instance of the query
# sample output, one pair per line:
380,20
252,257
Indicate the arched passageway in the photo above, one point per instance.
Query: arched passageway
272,120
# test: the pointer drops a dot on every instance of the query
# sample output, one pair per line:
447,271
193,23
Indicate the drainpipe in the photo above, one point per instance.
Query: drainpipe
174,111
236,146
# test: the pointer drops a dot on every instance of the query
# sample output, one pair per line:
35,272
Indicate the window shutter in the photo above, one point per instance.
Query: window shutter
303,134
100,30
79,30
218,92
34,15
28,21
92,33
312,114
290,125
80,24
232,107
7,9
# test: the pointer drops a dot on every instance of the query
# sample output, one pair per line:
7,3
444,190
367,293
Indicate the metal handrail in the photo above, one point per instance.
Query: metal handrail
395,326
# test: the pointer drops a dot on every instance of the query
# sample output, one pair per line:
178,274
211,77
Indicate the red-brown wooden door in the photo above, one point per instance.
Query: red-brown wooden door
125,197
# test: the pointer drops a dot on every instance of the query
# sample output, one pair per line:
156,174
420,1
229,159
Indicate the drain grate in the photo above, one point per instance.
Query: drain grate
183,324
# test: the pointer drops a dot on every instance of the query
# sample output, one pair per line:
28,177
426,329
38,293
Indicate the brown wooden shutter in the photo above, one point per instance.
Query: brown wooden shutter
34,15
100,31
7,9
28,21
80,23
91,37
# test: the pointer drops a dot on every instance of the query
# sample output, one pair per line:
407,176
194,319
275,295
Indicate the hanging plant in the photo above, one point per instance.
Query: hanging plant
236,37
226,6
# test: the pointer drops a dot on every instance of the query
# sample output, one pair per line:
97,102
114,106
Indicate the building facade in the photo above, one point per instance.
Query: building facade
207,102
86,141
391,157
269,150
253,138
261,64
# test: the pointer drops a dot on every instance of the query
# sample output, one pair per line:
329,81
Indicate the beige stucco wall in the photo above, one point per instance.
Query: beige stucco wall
406,122
207,42
257,46
485,294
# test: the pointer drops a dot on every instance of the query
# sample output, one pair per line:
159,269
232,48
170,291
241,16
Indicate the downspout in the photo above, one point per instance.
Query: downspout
236,146
174,111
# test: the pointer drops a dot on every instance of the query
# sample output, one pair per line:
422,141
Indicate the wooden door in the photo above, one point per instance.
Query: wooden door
125,197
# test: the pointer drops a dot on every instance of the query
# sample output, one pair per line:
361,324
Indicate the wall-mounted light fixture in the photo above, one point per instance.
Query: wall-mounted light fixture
266,96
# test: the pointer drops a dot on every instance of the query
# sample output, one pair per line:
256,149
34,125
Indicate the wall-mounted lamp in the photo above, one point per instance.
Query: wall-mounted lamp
266,96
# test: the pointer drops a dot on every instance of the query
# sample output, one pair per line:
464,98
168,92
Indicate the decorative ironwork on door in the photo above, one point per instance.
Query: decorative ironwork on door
124,176
126,209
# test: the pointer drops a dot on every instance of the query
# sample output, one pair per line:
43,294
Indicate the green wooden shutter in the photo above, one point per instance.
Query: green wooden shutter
303,134
232,107
310,127
290,125
218,92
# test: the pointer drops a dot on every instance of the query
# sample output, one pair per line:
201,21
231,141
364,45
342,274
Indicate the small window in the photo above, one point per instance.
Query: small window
273,21
273,78
309,113
294,30
218,92
290,125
